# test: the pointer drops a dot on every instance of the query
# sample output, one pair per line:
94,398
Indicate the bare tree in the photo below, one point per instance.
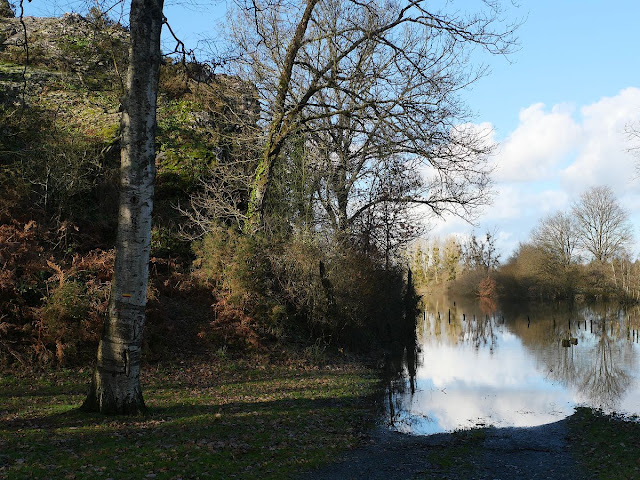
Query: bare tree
632,130
115,387
557,235
481,255
602,223
385,118
376,78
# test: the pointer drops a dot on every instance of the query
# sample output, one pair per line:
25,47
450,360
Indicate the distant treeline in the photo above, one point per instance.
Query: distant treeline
582,252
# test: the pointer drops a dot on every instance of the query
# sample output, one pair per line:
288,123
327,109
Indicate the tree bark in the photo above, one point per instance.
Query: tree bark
115,387
280,126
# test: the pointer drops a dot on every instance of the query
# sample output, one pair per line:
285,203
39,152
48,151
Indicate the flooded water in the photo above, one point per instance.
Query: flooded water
481,364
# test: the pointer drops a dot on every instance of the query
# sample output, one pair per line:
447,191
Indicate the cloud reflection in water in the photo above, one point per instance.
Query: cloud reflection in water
515,375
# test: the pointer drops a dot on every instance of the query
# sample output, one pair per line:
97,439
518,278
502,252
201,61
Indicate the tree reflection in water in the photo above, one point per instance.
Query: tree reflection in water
600,370
608,379
479,332
400,368
601,366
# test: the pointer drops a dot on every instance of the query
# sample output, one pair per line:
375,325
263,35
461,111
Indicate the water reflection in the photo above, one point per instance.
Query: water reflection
483,364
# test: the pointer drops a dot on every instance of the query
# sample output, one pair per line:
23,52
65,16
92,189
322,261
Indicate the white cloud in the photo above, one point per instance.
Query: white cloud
553,156
515,201
580,151
539,143
515,210
603,158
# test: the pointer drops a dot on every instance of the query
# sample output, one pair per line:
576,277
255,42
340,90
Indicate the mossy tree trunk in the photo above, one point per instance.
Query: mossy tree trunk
115,387
282,124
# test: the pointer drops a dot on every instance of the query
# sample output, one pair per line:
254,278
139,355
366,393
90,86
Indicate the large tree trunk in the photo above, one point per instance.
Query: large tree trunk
280,127
115,387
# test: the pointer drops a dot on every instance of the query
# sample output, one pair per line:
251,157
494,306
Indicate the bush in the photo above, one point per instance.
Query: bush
286,287
62,317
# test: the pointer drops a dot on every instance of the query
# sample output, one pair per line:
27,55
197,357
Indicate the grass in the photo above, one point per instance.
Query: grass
606,445
236,419
456,458
466,445
228,419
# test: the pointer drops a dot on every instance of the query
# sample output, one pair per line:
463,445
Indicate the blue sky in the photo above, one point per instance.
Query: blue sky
571,51
557,107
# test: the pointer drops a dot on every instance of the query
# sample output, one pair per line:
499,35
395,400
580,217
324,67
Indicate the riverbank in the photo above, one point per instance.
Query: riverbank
228,418
490,453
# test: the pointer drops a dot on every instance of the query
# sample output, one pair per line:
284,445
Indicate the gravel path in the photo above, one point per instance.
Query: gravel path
496,454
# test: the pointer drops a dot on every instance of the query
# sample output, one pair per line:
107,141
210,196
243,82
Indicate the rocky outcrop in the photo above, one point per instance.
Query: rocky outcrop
73,61
6,9
69,54
71,43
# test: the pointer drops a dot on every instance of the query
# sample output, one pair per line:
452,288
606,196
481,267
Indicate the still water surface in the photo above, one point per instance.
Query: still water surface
481,364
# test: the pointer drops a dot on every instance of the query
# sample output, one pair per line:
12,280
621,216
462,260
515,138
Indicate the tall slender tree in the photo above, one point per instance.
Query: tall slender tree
115,387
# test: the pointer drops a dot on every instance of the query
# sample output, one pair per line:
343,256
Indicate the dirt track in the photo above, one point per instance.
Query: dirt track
495,454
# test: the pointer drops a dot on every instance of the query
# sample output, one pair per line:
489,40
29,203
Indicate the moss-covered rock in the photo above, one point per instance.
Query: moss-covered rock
95,52
6,9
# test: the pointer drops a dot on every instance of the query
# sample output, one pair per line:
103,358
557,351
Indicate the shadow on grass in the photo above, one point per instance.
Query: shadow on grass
252,439
182,412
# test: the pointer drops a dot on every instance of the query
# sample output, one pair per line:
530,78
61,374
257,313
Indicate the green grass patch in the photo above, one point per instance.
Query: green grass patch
221,420
606,445
457,456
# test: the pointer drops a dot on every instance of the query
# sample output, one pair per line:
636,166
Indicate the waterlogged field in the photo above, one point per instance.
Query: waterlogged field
222,420
481,364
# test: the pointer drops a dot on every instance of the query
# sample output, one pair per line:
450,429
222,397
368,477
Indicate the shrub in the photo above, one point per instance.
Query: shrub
288,286
62,317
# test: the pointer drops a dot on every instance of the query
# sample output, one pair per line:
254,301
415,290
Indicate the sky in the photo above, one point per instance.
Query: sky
557,107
